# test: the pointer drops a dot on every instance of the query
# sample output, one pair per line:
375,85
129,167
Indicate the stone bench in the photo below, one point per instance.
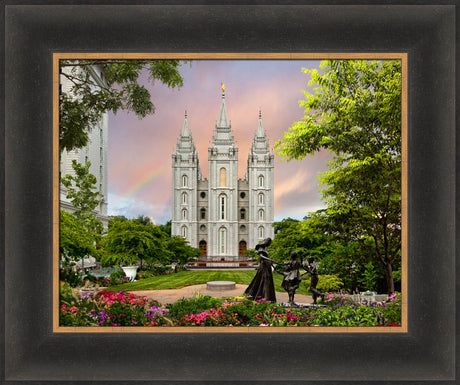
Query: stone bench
220,285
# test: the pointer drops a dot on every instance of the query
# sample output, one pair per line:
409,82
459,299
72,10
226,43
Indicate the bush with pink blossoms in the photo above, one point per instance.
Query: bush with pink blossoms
109,309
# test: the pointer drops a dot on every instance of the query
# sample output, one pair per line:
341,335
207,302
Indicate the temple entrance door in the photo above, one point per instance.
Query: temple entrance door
242,248
203,247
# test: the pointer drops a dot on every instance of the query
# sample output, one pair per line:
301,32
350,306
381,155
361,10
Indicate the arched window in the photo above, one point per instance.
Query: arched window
203,213
222,206
261,199
242,248
261,181
242,213
203,247
223,177
184,215
261,215
222,240
184,181
184,198
184,231
261,232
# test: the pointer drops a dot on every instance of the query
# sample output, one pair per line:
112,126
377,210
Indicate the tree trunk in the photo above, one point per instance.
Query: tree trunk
389,276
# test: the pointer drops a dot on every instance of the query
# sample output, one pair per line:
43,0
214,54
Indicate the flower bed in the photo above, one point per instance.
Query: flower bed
108,309
122,309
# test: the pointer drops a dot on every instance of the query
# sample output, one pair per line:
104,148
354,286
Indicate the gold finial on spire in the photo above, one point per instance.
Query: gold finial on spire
223,87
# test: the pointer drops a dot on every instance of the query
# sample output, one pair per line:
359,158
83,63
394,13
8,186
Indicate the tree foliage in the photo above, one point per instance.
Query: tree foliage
355,112
82,193
293,235
84,197
74,240
181,250
81,189
130,241
118,88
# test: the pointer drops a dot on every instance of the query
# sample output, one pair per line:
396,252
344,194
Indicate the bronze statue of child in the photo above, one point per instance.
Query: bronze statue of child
313,271
291,280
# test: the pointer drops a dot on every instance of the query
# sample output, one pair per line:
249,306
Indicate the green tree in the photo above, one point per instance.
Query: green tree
83,105
82,193
166,228
142,219
181,251
132,241
355,112
74,240
369,277
299,236
127,243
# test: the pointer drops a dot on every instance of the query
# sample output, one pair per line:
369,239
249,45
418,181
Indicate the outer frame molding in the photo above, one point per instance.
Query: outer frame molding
34,352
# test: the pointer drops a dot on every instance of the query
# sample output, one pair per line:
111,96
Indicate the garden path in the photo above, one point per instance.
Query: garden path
173,295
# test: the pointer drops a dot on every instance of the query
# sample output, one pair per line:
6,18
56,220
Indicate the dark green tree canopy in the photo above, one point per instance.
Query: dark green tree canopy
138,240
98,86
131,241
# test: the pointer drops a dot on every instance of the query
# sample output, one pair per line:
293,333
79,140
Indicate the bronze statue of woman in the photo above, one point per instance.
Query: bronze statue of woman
262,284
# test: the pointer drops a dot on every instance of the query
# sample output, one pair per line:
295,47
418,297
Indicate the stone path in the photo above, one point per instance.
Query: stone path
171,296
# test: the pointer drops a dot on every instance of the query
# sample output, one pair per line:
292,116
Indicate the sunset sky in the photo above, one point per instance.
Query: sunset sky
139,180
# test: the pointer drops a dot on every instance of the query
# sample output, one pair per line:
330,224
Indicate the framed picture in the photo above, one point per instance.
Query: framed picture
38,349
266,192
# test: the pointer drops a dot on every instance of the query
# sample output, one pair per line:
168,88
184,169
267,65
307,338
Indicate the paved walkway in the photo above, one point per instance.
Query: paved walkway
171,296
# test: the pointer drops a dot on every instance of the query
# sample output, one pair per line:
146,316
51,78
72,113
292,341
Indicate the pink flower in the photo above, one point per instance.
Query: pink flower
73,309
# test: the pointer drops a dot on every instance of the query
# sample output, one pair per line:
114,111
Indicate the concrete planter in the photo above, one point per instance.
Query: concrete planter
130,272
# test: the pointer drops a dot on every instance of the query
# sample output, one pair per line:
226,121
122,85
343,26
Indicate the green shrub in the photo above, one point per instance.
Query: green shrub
327,283
117,274
70,276
369,278
89,277
192,305
392,309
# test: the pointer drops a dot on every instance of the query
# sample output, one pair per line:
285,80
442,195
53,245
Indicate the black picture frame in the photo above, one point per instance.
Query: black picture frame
32,352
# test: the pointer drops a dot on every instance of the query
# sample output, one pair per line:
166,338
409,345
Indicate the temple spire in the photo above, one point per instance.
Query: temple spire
223,121
260,130
185,130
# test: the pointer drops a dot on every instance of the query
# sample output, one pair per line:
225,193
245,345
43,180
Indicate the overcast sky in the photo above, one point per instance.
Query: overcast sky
139,180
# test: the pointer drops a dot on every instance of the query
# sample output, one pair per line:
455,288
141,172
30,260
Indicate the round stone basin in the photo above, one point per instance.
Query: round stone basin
220,285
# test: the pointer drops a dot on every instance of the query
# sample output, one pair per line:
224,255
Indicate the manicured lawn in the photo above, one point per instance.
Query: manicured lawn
196,277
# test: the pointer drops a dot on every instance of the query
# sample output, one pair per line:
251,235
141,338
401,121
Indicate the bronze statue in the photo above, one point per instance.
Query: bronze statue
312,270
291,280
262,284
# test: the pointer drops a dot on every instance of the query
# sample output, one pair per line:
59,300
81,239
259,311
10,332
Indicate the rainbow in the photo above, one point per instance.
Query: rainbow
144,181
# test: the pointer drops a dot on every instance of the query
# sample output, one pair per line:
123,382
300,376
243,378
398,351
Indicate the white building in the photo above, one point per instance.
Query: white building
95,152
222,215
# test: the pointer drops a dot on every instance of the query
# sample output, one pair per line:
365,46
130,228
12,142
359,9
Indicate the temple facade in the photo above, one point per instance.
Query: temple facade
222,215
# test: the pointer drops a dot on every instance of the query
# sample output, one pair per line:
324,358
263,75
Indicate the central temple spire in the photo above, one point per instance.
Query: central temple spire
260,129
185,130
223,121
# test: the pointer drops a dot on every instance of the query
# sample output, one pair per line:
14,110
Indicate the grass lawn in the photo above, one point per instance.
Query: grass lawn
196,277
